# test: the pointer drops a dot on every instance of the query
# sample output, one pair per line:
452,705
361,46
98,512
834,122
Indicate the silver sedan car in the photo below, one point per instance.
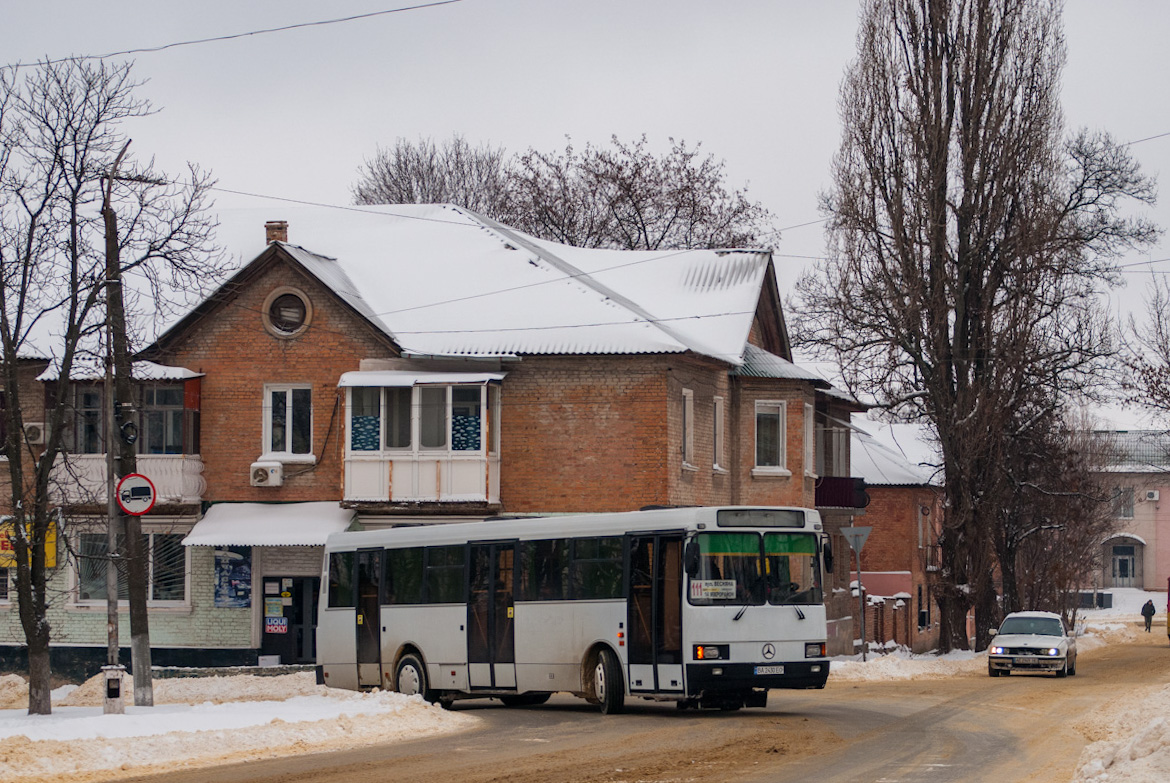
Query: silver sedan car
1032,642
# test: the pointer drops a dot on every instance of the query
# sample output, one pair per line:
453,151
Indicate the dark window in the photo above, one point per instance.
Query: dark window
162,420
3,584
444,575
398,401
404,576
341,591
88,421
596,569
433,417
544,572
365,419
291,422
466,420
287,313
167,567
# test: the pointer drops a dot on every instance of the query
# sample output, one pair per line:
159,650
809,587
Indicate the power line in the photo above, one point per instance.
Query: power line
233,36
1147,138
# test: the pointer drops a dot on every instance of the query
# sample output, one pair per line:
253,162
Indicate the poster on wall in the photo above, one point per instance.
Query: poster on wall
233,577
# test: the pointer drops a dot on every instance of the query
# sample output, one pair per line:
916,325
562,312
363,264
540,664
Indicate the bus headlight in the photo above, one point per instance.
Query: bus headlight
814,650
712,652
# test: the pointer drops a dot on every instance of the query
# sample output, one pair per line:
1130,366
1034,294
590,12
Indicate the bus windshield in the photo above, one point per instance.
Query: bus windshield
746,568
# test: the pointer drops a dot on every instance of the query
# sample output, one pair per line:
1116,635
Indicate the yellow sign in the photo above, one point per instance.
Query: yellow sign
8,549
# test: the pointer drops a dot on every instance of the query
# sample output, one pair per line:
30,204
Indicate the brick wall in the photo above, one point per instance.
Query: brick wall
239,356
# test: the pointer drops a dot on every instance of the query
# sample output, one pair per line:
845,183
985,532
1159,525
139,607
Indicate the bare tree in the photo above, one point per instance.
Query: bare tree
968,242
622,196
1144,374
425,173
60,132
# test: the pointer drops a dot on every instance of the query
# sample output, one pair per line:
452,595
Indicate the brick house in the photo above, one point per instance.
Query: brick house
436,366
904,514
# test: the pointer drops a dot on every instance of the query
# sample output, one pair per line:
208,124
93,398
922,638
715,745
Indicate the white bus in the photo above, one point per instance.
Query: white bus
707,607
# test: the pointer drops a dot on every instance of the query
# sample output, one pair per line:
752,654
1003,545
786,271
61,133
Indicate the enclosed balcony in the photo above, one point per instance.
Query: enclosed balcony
80,479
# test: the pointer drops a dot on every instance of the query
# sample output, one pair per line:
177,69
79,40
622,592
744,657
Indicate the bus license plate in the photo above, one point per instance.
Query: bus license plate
769,670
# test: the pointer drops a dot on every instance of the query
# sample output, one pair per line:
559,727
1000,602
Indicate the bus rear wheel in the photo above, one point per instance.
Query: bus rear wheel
607,683
411,678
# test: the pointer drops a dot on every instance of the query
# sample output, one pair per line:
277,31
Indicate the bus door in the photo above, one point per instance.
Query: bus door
654,612
491,649
369,618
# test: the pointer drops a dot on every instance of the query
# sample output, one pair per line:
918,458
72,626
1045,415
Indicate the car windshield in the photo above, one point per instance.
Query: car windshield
734,570
1040,626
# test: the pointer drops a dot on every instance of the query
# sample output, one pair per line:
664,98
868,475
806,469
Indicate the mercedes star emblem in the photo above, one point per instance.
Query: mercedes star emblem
769,651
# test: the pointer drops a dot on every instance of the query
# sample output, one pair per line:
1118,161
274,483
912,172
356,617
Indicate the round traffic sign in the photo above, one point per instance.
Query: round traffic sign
135,494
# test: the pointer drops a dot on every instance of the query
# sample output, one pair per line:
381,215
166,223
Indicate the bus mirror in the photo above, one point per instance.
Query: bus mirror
691,559
828,555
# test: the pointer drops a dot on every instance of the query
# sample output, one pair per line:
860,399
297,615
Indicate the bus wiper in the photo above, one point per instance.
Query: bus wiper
748,599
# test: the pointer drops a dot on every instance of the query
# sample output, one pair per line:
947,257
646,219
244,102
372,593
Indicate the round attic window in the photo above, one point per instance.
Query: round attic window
287,312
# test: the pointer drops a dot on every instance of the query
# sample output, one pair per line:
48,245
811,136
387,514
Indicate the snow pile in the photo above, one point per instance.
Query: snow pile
202,721
1135,744
901,664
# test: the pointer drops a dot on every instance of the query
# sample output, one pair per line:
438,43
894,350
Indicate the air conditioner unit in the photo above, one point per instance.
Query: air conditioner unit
267,474
1151,494
34,433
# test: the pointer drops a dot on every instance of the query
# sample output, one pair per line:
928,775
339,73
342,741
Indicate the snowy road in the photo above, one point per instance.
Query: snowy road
963,727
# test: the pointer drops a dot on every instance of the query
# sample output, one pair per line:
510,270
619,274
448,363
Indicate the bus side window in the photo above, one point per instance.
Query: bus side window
544,568
404,576
444,574
596,569
341,592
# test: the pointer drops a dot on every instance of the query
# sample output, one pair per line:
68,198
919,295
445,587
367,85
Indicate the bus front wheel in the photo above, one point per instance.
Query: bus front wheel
411,678
607,683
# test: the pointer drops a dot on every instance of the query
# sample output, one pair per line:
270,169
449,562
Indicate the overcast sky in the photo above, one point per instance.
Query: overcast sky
293,114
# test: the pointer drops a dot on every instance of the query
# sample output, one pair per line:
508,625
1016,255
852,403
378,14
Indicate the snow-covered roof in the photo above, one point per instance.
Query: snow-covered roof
758,363
92,369
881,465
269,524
443,281
1132,451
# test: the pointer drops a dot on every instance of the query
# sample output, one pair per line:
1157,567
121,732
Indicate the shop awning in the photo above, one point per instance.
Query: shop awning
411,378
269,524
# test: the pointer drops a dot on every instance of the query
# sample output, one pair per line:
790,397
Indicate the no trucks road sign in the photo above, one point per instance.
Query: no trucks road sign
135,494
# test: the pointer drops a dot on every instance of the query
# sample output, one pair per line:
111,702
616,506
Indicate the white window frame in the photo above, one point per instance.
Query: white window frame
780,408
489,423
717,460
75,577
810,441
285,456
688,429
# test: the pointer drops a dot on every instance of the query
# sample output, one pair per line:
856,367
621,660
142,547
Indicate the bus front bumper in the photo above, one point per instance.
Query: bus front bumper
723,677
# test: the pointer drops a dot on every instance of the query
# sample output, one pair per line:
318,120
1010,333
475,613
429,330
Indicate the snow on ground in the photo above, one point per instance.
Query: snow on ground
200,721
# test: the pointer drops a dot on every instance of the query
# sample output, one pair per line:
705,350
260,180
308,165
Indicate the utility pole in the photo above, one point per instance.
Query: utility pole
125,433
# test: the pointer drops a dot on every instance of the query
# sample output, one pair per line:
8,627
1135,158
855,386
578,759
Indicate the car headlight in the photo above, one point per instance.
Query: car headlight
1053,651
997,651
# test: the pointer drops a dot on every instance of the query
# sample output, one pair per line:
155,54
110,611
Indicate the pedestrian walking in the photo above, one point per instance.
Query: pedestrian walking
1148,612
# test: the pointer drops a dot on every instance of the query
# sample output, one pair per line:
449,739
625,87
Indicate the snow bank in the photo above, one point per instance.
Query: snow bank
1134,744
201,721
904,665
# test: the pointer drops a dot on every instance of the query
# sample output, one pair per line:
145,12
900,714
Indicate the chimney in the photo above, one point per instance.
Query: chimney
276,231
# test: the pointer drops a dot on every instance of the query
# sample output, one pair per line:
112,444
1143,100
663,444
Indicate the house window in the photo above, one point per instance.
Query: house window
88,418
162,420
287,312
810,440
770,436
717,460
433,417
3,584
167,567
288,420
457,415
1123,503
365,419
688,428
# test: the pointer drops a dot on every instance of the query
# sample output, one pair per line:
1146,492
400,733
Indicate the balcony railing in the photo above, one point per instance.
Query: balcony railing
841,492
81,478
449,478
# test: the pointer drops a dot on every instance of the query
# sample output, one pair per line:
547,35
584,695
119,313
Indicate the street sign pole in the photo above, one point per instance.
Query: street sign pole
856,536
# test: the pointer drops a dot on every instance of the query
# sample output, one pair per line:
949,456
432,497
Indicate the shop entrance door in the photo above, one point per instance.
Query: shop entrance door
290,618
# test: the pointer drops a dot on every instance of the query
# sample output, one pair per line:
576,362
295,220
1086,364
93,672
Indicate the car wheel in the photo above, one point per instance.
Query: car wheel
1072,671
607,683
411,678
992,672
